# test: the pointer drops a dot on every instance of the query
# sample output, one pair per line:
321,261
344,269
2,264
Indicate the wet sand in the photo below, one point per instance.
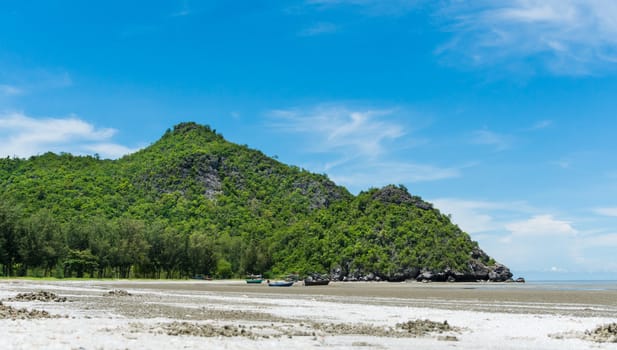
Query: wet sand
479,292
498,297
233,315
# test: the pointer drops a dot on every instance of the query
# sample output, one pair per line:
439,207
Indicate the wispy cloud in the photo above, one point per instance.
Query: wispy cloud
541,225
378,174
19,80
517,234
319,29
24,136
542,124
602,240
567,37
360,132
486,137
477,216
608,211
361,144
10,90
562,37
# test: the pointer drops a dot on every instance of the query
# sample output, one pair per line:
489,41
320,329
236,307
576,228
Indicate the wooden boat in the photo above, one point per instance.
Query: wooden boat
254,279
308,282
281,284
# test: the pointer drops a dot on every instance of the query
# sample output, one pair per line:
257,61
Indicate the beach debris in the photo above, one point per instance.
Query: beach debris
9,312
118,293
424,327
416,328
38,296
447,338
603,334
204,330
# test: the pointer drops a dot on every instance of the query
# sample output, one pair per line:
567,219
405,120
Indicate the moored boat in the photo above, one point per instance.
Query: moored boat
254,279
281,284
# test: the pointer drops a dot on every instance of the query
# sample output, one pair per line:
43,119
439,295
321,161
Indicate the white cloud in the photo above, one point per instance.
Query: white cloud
611,211
568,37
24,136
516,234
377,174
541,225
476,216
340,129
537,243
359,145
602,240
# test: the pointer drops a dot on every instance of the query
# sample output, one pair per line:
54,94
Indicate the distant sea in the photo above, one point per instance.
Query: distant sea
574,285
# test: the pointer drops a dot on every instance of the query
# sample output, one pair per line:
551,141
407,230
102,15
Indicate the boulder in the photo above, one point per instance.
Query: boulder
499,273
425,276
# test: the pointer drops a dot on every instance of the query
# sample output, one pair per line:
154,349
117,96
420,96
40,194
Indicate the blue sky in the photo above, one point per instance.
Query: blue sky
502,113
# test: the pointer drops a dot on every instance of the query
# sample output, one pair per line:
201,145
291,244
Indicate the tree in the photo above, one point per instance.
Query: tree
41,242
8,238
131,246
201,254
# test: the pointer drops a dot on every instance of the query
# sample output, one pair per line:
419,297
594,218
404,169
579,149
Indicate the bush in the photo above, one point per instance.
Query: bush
223,269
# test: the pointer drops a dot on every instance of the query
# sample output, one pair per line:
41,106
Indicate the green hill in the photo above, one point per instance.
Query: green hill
193,203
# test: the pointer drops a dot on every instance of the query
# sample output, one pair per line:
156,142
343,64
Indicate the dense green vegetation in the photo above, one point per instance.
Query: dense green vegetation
193,203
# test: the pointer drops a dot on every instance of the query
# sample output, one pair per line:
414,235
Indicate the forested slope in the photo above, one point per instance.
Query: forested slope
194,203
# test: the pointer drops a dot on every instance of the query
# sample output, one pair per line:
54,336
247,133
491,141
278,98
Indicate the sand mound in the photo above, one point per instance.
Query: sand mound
204,330
603,334
9,312
118,293
416,328
425,327
38,296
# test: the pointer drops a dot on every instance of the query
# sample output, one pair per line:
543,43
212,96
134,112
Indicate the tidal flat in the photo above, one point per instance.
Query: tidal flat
134,314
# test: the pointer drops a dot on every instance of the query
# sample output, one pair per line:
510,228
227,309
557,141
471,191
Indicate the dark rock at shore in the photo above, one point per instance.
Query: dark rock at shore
480,268
499,273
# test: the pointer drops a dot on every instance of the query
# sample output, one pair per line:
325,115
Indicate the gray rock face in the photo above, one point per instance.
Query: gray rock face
479,271
499,273
399,195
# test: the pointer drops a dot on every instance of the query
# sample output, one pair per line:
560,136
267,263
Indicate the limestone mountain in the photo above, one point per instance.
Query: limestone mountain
193,203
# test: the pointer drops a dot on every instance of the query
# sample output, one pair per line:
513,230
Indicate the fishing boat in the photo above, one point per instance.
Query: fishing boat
254,279
281,284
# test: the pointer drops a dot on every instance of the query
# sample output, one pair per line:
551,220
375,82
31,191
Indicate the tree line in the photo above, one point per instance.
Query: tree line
39,245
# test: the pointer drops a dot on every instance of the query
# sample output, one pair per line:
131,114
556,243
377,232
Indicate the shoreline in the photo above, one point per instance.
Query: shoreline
343,315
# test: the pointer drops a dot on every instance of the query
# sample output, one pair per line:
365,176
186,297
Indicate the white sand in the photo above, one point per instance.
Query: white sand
97,321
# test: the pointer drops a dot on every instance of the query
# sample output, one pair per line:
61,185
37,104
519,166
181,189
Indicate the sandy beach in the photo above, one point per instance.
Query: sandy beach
233,315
